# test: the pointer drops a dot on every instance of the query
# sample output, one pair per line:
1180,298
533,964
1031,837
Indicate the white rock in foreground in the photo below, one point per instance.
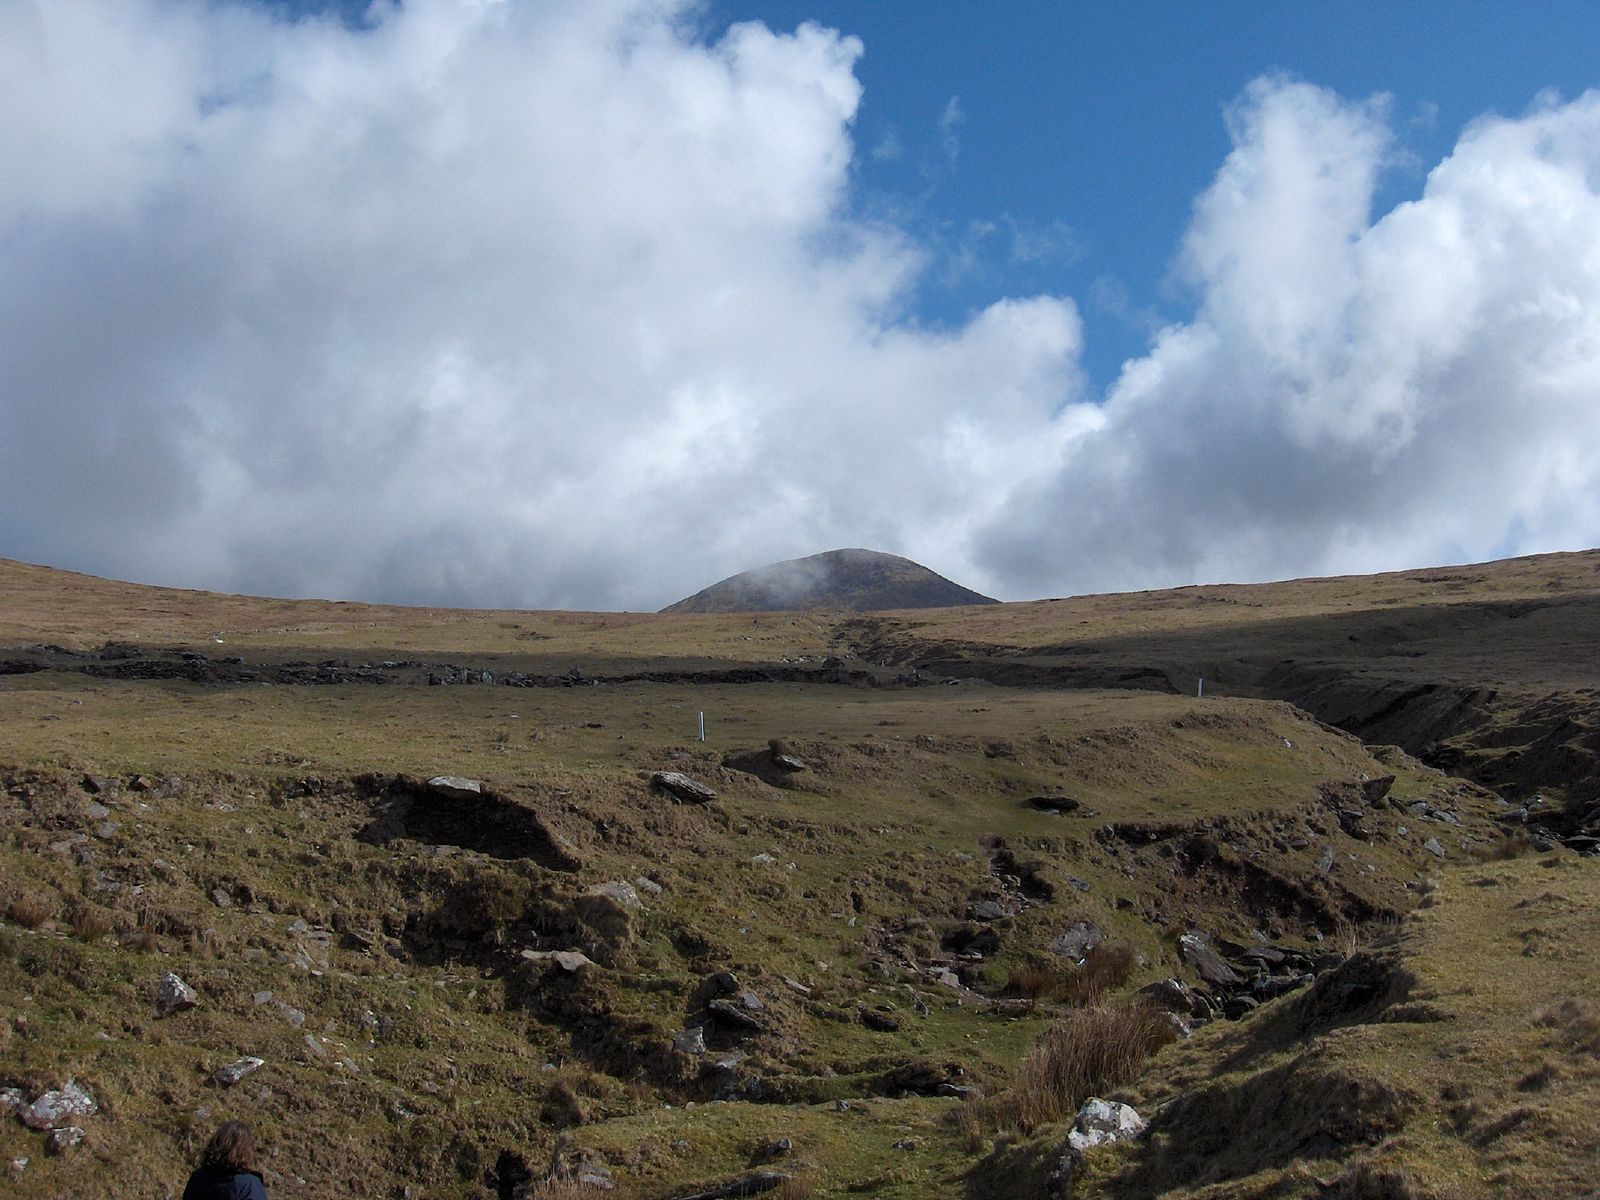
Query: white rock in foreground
455,787
1101,1122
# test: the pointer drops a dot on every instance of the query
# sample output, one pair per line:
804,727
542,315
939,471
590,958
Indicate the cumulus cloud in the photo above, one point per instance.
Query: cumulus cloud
559,304
1353,394
489,303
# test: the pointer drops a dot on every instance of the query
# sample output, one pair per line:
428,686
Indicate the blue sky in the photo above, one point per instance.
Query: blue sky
1099,123
589,303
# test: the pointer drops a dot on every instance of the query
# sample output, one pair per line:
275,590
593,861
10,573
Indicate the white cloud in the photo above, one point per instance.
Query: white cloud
1352,394
555,304
950,122
493,303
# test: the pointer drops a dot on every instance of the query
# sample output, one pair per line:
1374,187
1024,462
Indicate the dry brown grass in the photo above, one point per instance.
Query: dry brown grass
1107,967
89,923
565,1189
1576,1024
800,1187
1091,1050
30,909
1512,845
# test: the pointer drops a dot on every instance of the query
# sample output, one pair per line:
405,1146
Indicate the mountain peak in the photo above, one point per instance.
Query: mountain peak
853,579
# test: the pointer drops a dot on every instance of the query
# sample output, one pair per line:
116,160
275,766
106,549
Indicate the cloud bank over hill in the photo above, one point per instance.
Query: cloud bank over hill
559,305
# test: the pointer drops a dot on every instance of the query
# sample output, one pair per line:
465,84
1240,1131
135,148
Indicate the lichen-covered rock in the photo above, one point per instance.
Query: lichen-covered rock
68,1137
681,787
173,995
235,1071
60,1107
1101,1122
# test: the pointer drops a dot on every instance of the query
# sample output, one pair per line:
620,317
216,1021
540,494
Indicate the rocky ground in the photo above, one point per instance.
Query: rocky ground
490,919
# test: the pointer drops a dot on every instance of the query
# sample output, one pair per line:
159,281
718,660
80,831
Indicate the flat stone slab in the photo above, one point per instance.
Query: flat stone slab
455,787
680,786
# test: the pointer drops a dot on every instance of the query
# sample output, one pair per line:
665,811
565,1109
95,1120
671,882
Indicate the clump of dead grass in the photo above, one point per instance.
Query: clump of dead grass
30,909
1105,968
1512,845
88,922
1091,1050
565,1189
1576,1024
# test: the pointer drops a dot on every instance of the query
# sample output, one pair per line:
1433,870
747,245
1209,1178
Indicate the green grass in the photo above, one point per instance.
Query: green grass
441,1047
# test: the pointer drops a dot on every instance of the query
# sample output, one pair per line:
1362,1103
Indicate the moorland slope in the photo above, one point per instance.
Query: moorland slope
452,878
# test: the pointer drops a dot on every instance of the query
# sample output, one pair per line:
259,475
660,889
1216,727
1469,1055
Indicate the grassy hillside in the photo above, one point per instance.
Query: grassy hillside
911,811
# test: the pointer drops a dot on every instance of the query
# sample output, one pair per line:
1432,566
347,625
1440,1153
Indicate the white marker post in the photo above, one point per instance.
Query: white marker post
1201,690
702,727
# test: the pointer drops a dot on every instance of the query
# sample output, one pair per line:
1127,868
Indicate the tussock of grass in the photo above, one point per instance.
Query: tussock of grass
1091,1050
565,1189
1576,1023
88,923
1512,845
30,909
1108,966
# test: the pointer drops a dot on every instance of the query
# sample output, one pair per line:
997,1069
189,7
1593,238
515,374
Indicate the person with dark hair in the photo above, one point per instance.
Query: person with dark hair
227,1168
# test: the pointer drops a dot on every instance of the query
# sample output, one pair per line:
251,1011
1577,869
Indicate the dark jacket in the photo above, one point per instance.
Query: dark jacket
206,1184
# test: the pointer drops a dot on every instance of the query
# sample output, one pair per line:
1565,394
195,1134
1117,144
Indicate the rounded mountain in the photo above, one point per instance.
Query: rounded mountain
854,580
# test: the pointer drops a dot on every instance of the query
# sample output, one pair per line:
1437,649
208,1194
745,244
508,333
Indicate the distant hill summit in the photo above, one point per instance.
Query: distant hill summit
854,580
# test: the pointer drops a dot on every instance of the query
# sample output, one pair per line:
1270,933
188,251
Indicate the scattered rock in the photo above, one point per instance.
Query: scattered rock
745,1185
1076,942
1171,994
619,891
1433,847
1054,804
750,1002
775,1149
883,1020
590,1174
986,910
1199,955
1374,790
567,960
235,1071
68,1137
455,787
1102,1122
1240,1006
220,898
681,787
55,1109
1178,1025
690,1041
12,1101
173,995
1325,859
734,1017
